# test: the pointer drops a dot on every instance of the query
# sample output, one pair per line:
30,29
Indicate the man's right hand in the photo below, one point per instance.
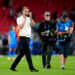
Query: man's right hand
24,20
59,33
22,25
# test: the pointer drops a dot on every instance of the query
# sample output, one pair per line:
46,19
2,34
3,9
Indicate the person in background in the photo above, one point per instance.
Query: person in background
12,42
18,40
64,32
46,30
12,13
17,33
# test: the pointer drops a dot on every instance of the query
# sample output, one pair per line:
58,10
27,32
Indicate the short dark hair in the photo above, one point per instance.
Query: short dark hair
65,15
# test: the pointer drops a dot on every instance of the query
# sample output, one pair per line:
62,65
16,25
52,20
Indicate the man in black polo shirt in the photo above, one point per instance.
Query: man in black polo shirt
46,30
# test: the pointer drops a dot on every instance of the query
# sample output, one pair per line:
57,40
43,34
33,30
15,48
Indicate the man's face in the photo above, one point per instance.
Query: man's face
47,18
64,20
25,12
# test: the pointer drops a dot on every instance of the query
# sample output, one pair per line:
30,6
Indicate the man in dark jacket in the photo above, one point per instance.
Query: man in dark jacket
46,31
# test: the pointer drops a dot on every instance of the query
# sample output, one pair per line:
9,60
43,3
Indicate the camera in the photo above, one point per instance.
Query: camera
52,26
53,35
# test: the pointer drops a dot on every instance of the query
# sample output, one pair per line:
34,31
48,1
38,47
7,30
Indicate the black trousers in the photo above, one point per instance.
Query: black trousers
24,50
46,52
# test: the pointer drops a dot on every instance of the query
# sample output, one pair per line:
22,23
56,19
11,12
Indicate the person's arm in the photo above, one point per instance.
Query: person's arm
21,24
8,39
56,30
68,32
32,21
57,33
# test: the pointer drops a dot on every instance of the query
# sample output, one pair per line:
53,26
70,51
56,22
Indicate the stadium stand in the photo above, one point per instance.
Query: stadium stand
36,6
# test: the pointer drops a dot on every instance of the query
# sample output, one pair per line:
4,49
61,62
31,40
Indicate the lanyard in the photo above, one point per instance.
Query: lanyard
45,26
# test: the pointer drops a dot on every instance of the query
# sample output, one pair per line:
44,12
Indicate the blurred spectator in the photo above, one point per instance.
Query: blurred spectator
72,14
12,42
10,3
12,13
58,18
65,10
55,15
19,11
6,3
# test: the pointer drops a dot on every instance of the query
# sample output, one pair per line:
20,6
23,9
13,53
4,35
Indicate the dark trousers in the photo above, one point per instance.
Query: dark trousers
24,50
46,51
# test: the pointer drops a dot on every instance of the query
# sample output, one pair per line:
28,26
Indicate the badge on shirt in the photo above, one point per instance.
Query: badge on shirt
66,28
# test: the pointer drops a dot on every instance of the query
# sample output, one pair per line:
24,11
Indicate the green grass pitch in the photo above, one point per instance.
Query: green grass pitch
37,61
